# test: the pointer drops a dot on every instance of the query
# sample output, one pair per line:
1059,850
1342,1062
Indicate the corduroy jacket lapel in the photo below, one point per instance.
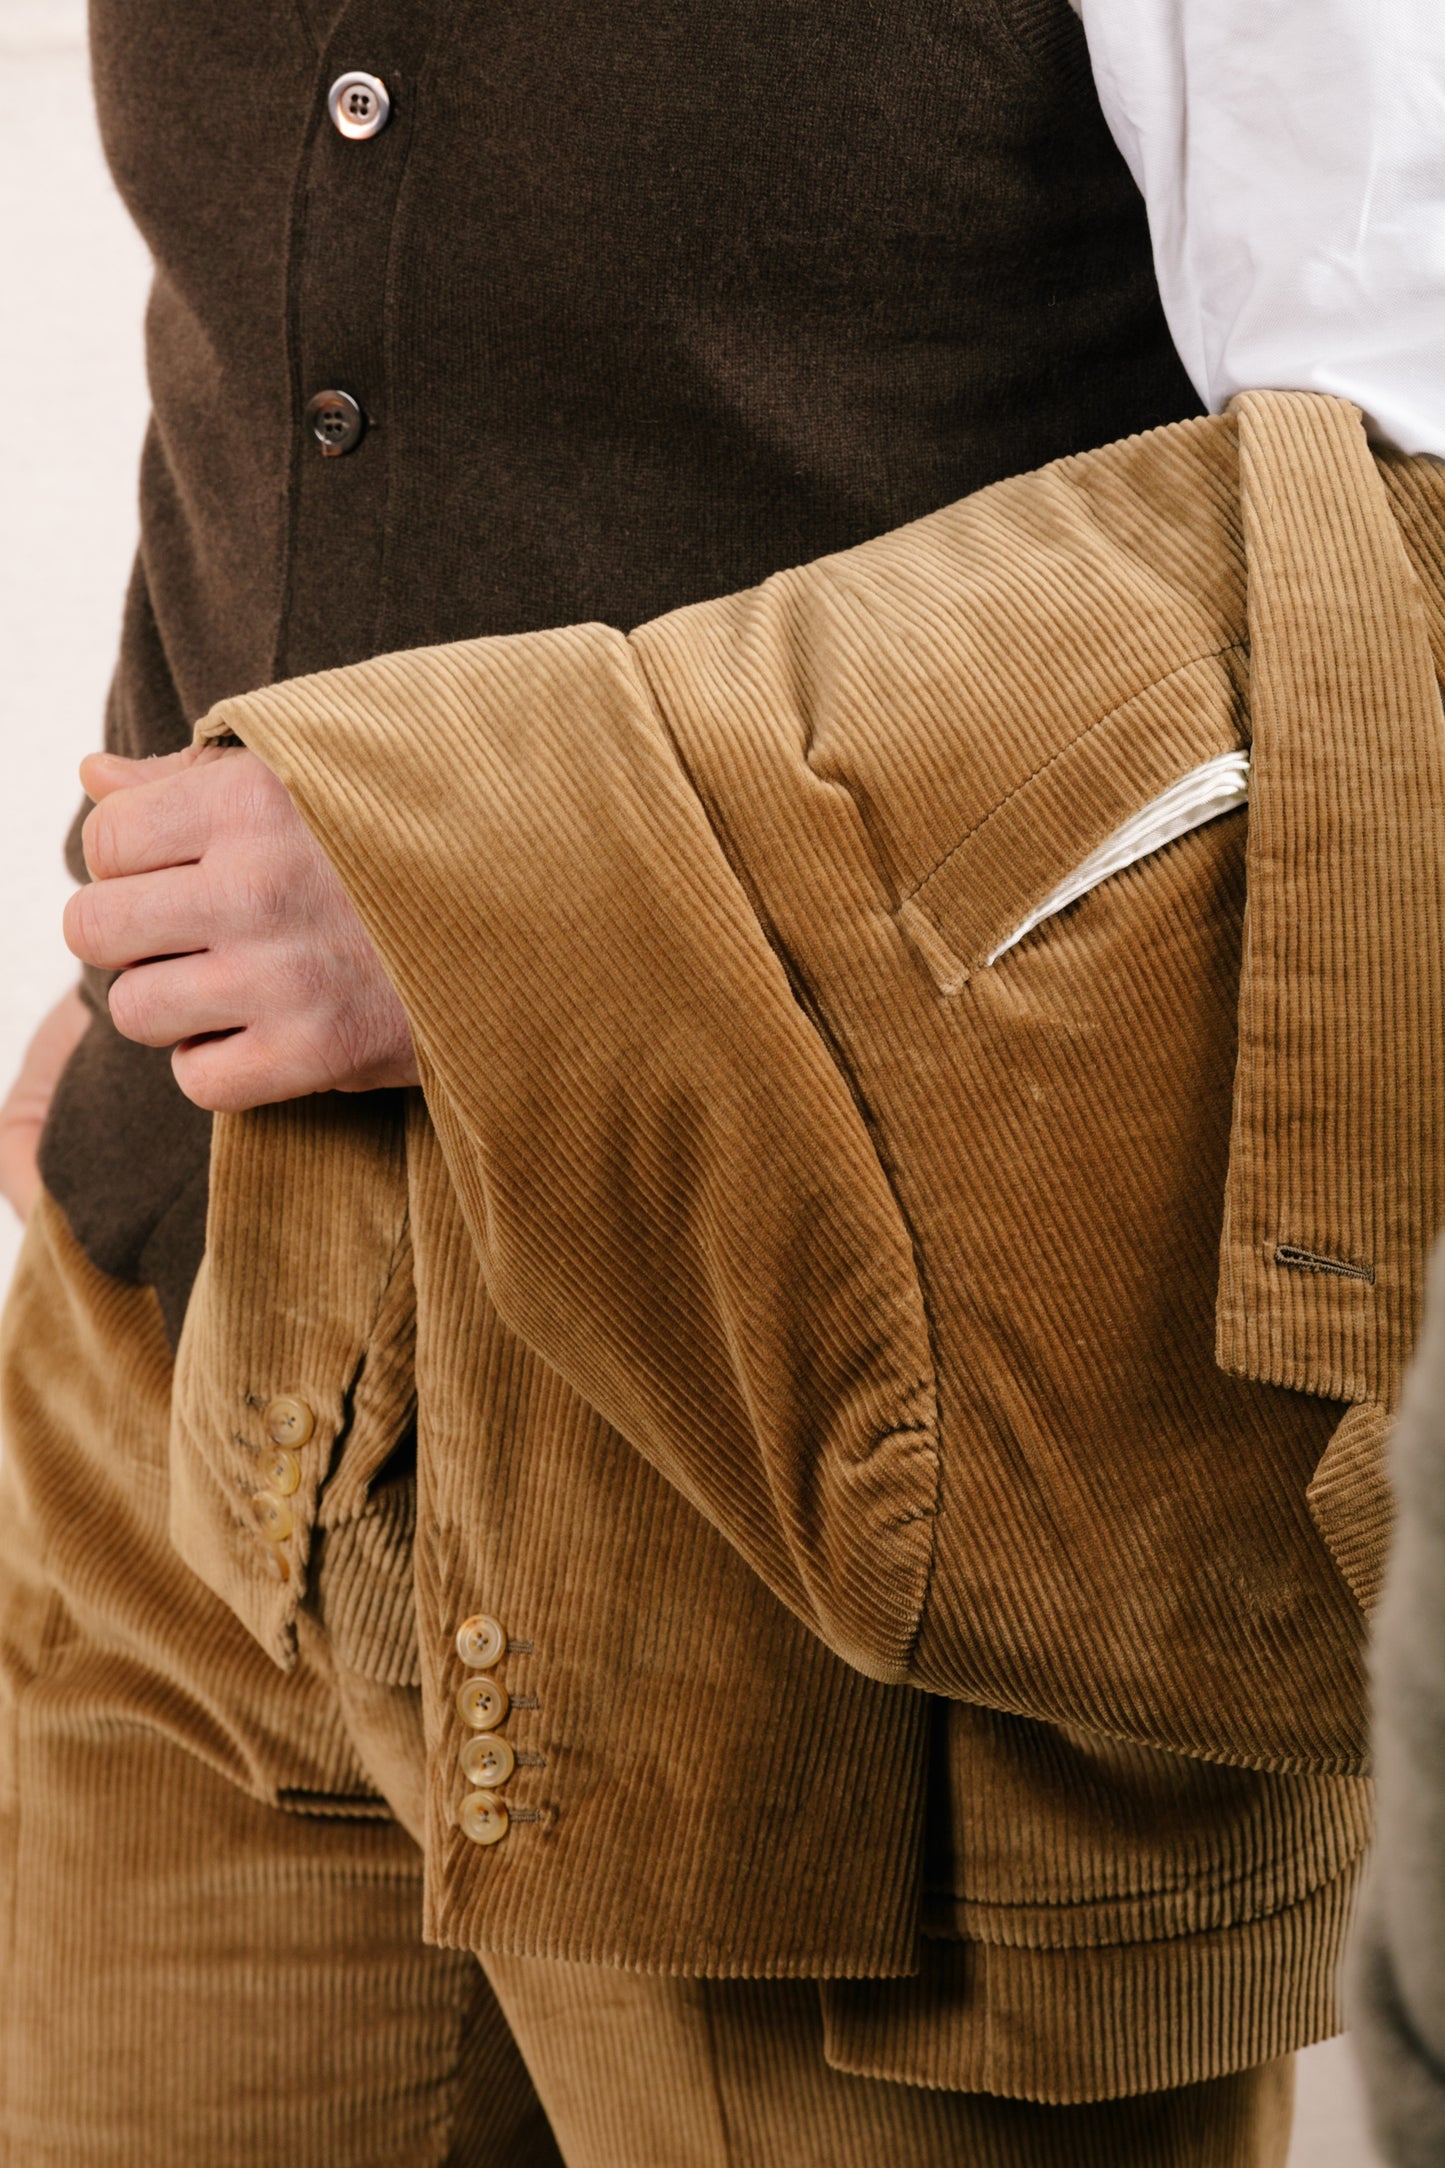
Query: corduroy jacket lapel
1337,1164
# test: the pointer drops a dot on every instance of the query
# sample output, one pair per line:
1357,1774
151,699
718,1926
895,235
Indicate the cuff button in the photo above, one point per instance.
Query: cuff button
287,1421
483,1818
488,1761
481,1642
483,1703
276,1564
281,1472
273,1515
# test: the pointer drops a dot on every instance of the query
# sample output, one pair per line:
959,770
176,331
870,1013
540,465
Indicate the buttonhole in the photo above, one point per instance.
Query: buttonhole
1338,1268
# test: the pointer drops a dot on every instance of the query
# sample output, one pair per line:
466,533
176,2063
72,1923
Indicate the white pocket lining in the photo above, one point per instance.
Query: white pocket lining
1220,786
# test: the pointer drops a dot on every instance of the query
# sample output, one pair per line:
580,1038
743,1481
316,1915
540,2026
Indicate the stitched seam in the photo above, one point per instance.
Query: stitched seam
1230,647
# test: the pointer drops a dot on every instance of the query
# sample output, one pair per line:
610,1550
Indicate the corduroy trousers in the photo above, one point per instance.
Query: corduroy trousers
210,1901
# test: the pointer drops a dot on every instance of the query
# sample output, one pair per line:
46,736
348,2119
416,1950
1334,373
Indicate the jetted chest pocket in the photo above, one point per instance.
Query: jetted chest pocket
1163,763
1204,794
1219,786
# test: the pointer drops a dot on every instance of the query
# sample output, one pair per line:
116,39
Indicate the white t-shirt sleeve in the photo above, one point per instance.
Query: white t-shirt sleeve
1291,154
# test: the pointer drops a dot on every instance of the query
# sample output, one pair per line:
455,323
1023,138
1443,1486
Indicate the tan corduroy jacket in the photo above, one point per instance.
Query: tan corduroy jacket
778,1283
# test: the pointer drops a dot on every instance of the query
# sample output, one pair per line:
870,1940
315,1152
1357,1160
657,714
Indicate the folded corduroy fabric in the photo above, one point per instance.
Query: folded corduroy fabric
996,1318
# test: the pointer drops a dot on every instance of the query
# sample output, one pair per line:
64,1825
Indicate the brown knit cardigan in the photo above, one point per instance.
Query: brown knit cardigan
799,1312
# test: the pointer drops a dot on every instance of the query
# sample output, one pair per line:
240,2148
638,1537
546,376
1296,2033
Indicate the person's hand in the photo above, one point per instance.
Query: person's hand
26,1104
234,940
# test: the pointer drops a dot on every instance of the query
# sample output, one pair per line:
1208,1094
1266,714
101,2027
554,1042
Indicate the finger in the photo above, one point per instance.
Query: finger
162,1004
101,774
149,822
114,924
245,1069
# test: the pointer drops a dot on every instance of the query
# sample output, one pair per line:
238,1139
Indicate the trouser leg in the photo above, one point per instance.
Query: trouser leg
191,1977
637,2071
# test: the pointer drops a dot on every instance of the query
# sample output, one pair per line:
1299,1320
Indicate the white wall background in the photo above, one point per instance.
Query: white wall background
72,407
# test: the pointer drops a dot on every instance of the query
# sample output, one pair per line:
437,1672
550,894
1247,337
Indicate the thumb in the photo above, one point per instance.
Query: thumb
101,774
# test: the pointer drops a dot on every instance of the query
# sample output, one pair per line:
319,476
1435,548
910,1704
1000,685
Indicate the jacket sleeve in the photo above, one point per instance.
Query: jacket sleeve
675,1200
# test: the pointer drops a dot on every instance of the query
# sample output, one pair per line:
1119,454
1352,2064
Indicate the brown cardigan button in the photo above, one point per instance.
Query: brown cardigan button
336,422
359,105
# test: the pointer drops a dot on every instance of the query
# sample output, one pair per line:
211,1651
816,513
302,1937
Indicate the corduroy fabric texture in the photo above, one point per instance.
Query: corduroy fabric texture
756,1218
640,306
343,1279
188,1974
1337,1175
1101,2021
1351,1500
193,1976
748,2088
